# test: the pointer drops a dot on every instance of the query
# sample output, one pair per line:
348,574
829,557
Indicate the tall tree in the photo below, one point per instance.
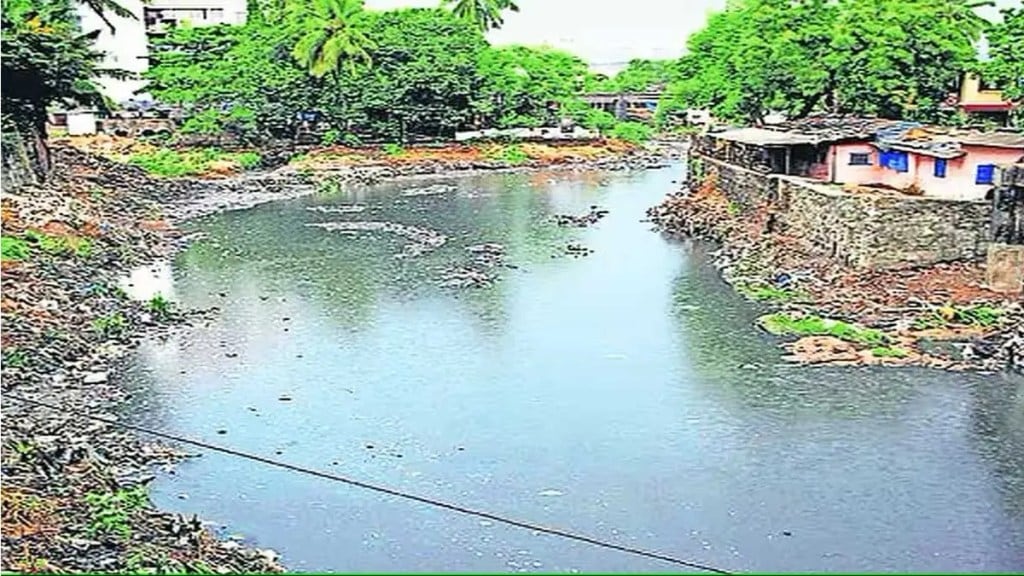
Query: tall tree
331,34
485,14
1005,67
46,59
103,8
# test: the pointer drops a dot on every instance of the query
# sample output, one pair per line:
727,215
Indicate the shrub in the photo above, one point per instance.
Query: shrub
60,245
248,160
110,325
352,141
633,132
392,149
159,306
110,512
598,120
13,249
330,137
514,154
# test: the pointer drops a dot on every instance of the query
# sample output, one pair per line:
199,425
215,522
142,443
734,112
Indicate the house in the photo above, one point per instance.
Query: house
983,102
946,163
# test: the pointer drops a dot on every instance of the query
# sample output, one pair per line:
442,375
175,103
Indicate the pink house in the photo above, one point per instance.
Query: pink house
955,167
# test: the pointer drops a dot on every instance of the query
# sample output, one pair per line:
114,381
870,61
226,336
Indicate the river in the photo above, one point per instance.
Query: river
624,395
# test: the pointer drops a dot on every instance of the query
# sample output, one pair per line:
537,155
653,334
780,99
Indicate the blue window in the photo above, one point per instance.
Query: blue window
986,174
894,160
940,167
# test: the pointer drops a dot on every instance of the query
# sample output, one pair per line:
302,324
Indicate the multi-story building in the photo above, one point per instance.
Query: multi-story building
127,45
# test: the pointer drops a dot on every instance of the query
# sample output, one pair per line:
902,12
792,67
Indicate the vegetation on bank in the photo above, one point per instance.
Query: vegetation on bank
170,163
782,323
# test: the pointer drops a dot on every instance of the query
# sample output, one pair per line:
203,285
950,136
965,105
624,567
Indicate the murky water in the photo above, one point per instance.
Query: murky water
624,395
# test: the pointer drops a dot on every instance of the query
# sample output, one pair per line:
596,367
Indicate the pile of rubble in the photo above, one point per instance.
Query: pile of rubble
72,487
478,273
892,299
423,240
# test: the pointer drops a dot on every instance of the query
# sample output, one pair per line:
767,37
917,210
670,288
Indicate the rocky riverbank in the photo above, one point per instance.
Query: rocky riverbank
74,496
844,316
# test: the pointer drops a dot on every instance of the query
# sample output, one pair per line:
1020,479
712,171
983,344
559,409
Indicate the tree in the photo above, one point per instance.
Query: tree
331,34
519,84
1005,67
893,58
46,59
485,14
104,7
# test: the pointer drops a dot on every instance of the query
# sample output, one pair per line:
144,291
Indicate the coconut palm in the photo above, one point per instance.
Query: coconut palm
330,35
485,14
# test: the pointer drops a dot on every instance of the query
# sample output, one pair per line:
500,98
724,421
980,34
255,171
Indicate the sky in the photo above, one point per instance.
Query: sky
605,33
601,32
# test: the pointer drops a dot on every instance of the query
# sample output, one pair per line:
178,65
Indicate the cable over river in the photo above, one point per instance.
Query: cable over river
453,339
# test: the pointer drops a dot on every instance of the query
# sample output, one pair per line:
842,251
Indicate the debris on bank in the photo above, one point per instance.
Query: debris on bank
911,306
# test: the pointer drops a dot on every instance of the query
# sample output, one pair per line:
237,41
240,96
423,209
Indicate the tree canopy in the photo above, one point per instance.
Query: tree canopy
892,58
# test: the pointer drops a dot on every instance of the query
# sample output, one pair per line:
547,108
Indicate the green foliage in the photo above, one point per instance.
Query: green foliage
484,14
159,306
894,58
111,512
509,153
521,86
15,357
889,352
595,119
46,58
392,149
110,325
633,132
637,76
352,141
769,293
330,137
1005,66
330,34
782,323
13,249
981,316
60,245
173,163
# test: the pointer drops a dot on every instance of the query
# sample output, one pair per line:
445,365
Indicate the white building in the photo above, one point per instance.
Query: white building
127,46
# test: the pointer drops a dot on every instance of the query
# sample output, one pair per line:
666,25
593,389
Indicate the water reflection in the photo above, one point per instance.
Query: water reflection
623,395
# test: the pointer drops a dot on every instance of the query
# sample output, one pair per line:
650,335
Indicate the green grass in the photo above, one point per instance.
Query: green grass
784,324
60,245
13,249
159,306
888,352
392,149
110,512
769,293
981,316
15,357
173,163
633,132
113,324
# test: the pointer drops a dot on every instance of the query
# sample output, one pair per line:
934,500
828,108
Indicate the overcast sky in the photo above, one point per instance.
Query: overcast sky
599,31
604,32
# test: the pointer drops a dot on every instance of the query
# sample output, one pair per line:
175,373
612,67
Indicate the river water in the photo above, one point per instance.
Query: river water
624,395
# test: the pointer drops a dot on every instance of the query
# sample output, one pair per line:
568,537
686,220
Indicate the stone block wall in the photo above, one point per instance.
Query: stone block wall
862,230
882,230
741,155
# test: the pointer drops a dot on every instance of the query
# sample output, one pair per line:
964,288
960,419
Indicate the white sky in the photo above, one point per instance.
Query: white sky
599,31
604,32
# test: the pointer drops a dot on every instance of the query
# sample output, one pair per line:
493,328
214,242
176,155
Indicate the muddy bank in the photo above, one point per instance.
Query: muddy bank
911,308
74,495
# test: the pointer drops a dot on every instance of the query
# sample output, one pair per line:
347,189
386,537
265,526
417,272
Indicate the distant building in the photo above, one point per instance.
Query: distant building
981,101
127,46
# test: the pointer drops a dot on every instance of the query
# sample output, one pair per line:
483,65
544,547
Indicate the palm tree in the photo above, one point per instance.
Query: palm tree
485,14
330,35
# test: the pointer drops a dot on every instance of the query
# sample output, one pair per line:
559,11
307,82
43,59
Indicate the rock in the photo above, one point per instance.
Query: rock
95,377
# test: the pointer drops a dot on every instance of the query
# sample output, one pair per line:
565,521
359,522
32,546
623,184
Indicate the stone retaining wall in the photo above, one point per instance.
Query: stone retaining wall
862,230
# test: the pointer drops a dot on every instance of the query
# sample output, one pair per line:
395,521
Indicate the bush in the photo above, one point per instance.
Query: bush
59,245
172,163
392,149
330,137
633,132
598,120
248,160
12,249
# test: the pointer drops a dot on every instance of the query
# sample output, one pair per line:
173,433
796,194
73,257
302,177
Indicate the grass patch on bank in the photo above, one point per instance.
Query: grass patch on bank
769,293
110,512
783,324
110,325
13,249
60,245
508,153
981,316
172,163
888,352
